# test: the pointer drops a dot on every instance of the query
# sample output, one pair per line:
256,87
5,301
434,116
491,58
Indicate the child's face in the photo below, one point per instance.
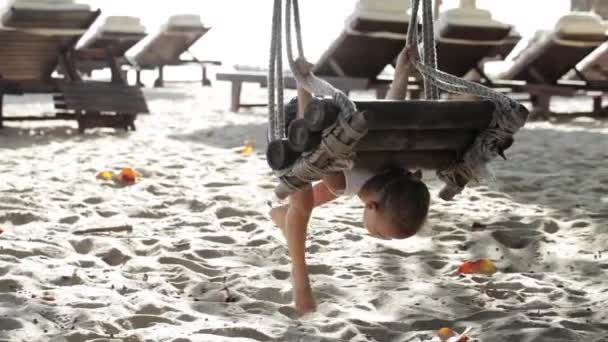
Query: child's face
377,224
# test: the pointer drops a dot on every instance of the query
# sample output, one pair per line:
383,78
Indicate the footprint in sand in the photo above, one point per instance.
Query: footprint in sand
517,238
226,212
280,275
82,246
257,243
551,227
219,239
9,286
19,218
93,200
113,256
69,219
191,265
143,321
213,253
238,333
10,324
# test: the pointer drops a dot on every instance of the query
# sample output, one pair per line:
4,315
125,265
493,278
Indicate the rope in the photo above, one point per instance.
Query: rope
272,133
302,70
507,118
430,53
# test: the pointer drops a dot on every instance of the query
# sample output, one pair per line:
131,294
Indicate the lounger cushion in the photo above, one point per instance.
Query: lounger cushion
382,10
121,24
49,5
184,22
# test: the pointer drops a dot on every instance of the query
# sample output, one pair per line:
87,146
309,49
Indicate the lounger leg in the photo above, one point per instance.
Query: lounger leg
540,106
1,107
235,96
381,93
597,104
160,81
138,78
206,80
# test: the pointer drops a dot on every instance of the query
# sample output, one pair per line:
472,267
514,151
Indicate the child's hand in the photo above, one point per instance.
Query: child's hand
304,299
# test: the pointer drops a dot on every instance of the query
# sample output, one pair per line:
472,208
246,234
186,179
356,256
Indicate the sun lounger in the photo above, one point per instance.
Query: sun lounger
49,14
29,56
113,38
166,46
552,54
372,39
466,35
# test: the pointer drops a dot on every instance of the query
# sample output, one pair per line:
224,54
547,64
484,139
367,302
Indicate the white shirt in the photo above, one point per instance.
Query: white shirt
355,179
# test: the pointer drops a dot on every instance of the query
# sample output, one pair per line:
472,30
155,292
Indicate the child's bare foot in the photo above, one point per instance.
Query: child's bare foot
278,215
304,300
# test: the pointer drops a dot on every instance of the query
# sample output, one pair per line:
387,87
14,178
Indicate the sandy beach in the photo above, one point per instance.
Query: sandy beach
204,263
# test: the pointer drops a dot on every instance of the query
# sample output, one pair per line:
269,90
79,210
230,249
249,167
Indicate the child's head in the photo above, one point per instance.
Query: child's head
396,204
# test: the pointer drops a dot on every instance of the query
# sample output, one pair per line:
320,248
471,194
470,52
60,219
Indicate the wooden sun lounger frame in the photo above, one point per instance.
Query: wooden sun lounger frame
114,43
541,93
175,61
89,103
346,84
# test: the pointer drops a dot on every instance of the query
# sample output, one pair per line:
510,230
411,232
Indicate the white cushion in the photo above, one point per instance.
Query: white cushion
122,24
188,20
583,23
382,10
469,17
49,5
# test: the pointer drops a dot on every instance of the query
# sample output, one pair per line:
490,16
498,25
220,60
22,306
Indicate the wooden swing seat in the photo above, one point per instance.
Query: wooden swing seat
409,134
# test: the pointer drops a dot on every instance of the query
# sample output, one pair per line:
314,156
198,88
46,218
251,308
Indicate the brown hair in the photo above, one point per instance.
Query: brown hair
405,199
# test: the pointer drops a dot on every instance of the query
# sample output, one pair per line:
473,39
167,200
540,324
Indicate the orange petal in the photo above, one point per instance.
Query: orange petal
128,175
483,266
446,333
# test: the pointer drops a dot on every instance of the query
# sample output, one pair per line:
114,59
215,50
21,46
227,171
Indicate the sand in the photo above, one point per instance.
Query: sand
204,263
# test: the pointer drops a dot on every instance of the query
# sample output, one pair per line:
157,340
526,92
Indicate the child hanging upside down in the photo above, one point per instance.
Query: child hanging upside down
396,204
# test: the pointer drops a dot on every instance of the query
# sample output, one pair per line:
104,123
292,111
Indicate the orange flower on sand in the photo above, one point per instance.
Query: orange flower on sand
483,266
128,175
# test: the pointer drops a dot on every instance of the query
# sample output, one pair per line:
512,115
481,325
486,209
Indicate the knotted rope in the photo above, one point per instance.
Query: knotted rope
508,116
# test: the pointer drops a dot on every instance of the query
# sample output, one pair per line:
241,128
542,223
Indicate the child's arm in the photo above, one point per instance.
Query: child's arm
403,70
297,218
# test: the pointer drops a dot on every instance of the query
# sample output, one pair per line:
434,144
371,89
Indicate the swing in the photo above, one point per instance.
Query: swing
456,138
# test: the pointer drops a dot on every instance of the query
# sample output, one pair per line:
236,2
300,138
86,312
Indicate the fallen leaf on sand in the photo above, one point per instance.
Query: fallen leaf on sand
449,335
483,266
105,175
247,148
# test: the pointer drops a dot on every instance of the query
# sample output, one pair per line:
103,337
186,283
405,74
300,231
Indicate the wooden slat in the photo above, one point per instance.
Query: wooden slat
415,140
165,48
430,160
35,18
422,115
103,97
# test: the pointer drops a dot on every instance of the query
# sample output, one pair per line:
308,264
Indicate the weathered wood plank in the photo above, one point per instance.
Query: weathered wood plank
422,115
